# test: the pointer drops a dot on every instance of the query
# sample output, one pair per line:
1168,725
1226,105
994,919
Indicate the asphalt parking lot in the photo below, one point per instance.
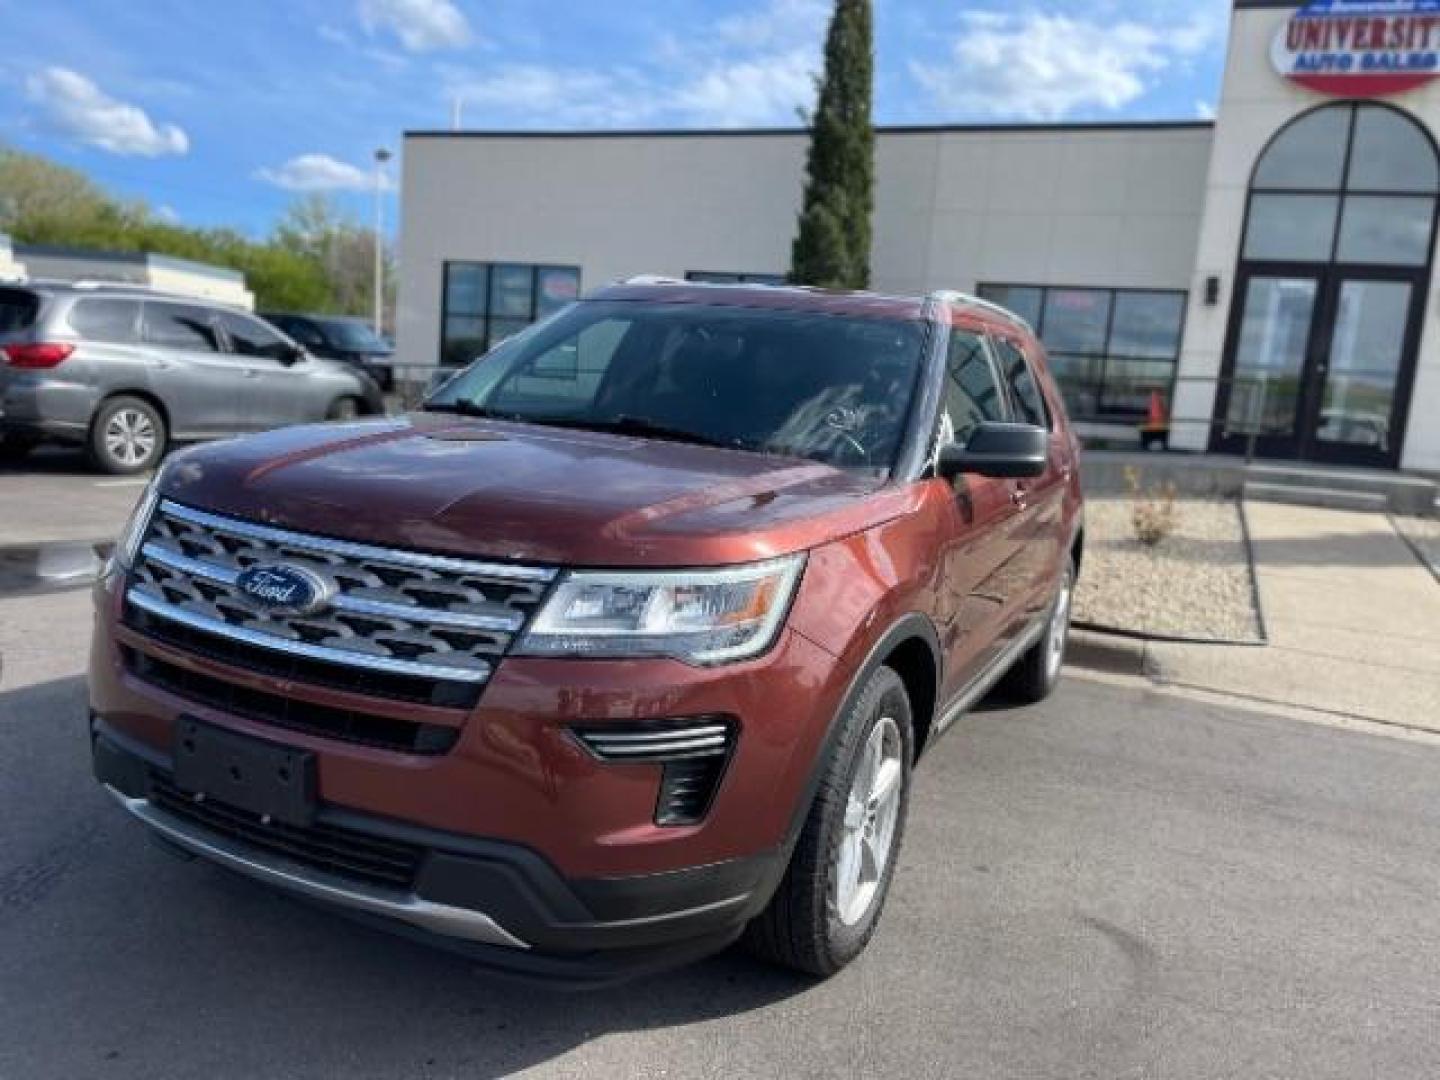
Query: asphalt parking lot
1120,883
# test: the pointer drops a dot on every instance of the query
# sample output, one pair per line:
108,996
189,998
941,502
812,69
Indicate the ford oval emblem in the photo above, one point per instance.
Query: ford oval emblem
282,587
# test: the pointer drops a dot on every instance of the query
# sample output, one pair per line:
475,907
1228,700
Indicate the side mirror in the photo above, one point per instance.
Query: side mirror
1004,451
293,355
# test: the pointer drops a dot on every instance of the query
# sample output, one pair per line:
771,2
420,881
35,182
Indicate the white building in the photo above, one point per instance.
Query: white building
1269,274
182,276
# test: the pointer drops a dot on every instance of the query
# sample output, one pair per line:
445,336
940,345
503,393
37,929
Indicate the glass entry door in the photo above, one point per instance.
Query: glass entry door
1358,377
1319,365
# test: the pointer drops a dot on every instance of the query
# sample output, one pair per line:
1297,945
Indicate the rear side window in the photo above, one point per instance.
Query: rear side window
18,309
971,393
1024,390
106,320
251,337
181,326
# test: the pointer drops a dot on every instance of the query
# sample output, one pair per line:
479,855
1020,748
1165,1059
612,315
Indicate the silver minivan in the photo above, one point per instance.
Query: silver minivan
125,371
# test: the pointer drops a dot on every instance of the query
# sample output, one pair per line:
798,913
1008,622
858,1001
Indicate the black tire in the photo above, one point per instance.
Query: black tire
1037,673
110,449
345,408
802,928
15,448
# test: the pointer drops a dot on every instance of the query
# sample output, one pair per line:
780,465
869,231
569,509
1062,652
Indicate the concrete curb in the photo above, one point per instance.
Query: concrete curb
1099,651
26,569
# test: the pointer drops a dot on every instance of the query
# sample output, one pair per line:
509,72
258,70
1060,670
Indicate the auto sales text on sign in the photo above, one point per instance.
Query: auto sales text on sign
1360,48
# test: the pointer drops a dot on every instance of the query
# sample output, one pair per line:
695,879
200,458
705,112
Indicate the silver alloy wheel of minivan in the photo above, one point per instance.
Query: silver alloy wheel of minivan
872,809
130,437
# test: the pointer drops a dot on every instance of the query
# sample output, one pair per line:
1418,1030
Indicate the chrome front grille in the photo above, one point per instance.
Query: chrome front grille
413,616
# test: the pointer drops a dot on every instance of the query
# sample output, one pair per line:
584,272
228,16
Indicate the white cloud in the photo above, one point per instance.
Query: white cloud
168,214
76,107
764,90
1205,110
421,25
535,93
750,69
1035,66
319,172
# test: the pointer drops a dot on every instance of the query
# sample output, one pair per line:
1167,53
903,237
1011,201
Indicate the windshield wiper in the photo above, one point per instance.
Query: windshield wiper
641,426
469,408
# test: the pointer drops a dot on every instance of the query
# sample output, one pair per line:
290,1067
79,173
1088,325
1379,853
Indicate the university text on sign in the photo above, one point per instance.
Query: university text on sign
1362,48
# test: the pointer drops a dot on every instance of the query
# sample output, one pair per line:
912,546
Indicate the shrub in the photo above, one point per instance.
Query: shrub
1152,515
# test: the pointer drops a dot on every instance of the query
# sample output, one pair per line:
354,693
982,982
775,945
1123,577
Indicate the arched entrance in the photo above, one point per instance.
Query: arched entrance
1330,288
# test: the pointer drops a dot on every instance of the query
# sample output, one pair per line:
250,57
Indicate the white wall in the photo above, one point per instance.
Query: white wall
1255,103
1110,206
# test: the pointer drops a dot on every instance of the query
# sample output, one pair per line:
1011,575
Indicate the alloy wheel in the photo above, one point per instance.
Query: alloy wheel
130,437
872,810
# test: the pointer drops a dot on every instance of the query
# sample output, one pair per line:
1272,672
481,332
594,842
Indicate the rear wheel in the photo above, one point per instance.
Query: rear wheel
345,408
829,902
1036,674
127,436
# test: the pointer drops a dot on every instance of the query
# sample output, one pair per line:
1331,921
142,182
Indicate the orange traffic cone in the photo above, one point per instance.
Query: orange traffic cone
1155,431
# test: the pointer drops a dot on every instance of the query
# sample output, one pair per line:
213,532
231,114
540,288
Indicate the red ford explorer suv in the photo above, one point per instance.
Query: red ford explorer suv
619,650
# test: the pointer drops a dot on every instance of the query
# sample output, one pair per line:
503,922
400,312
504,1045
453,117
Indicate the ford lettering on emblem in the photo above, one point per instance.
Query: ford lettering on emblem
285,588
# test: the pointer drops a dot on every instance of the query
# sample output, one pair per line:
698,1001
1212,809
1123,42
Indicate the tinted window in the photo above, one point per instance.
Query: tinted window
1386,229
1023,300
1024,391
487,303
1291,227
1391,153
180,326
831,388
971,393
106,320
1076,319
1147,324
1309,154
17,309
302,330
251,337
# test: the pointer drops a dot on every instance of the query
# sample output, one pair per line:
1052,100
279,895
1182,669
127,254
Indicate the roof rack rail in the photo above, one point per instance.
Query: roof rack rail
654,279
952,296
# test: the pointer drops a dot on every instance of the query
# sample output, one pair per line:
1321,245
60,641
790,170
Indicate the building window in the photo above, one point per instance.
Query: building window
1110,349
485,303
1345,183
717,277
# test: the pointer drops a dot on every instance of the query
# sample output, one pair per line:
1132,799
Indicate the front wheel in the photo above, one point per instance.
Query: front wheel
829,902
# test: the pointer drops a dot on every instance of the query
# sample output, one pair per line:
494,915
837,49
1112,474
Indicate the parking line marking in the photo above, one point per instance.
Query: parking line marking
135,482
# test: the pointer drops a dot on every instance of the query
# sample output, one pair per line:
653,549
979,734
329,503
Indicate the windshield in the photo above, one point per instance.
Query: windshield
352,335
835,389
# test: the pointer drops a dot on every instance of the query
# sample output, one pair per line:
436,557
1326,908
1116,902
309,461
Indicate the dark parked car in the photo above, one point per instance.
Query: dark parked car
125,371
351,341
623,647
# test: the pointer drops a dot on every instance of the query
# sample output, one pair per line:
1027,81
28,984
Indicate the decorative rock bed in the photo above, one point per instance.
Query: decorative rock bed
1197,583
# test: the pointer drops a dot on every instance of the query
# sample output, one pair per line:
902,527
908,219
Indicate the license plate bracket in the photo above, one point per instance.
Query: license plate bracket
274,781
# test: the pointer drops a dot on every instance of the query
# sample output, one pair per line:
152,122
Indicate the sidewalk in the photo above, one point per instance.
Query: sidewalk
1353,620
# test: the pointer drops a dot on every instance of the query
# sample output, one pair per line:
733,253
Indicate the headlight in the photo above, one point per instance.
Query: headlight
699,616
127,545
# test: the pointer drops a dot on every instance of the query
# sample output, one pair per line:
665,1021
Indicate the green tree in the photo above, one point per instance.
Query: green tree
832,246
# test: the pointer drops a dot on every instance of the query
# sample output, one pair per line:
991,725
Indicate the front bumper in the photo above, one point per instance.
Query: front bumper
500,904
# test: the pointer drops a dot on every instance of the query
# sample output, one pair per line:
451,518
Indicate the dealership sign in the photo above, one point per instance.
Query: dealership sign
1360,48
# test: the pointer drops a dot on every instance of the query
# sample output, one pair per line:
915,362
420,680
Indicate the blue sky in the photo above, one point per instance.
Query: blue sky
221,112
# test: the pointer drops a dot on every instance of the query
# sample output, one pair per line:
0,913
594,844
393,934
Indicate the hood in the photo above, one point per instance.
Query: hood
516,491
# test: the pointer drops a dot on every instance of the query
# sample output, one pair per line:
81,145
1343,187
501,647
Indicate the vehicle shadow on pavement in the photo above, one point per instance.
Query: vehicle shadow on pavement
125,959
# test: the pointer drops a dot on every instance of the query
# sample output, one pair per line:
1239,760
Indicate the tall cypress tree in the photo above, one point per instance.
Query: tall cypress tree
832,247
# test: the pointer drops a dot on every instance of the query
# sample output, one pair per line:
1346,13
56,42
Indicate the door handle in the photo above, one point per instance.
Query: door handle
251,373
1017,496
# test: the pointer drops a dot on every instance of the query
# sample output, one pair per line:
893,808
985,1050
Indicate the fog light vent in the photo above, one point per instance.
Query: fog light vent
694,753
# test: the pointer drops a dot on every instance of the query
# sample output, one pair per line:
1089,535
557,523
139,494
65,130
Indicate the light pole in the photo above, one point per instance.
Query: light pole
381,157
